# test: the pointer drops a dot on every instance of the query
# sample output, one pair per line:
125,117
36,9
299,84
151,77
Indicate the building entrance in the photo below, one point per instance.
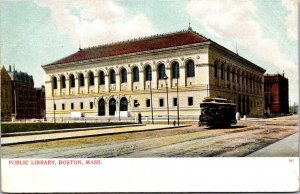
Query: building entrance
123,104
101,107
112,106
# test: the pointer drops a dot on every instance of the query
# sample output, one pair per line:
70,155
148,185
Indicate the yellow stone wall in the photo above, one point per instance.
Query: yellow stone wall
201,85
247,82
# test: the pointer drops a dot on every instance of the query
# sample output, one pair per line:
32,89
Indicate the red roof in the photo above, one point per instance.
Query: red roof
134,46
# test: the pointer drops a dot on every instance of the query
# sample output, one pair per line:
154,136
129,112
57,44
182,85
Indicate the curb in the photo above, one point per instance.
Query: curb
91,135
66,130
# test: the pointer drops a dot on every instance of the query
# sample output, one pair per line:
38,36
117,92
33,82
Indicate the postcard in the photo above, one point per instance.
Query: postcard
149,96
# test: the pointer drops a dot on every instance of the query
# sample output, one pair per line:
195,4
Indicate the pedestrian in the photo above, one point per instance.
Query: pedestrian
140,118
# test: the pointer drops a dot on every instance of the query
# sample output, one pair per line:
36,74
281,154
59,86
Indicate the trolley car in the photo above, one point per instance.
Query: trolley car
217,112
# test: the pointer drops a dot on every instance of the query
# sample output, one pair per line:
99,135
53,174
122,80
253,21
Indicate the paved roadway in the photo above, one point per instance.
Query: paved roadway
241,140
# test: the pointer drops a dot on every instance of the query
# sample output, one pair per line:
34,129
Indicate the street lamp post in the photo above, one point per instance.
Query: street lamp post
119,108
137,104
166,78
54,109
151,100
177,103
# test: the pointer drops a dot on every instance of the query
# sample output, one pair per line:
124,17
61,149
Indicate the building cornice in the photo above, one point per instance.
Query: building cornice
236,56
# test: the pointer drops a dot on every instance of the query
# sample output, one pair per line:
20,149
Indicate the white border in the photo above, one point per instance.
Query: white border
156,175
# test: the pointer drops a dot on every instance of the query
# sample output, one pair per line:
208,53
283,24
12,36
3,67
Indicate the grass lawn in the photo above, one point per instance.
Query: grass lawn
23,127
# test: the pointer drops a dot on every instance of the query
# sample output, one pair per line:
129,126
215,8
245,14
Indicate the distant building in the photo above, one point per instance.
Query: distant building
40,102
276,94
6,95
27,102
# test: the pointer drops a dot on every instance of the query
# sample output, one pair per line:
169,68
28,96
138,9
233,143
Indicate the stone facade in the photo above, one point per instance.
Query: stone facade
121,84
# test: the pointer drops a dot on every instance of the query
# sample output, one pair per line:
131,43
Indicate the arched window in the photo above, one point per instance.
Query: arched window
148,73
101,78
81,79
216,69
190,69
243,75
222,71
63,81
123,75
54,82
135,75
72,81
123,104
91,79
112,77
238,76
228,73
161,71
175,70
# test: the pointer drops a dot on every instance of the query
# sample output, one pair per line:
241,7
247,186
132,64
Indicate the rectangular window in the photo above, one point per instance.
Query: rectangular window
136,103
91,105
174,101
148,103
54,106
190,101
161,102
81,105
72,106
63,106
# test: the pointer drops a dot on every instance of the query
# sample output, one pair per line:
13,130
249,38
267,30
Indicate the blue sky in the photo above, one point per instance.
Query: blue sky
37,32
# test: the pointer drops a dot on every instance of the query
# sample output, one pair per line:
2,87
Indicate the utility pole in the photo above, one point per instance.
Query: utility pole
54,107
166,78
119,108
177,102
151,100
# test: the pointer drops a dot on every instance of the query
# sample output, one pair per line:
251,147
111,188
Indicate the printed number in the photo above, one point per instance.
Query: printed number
291,160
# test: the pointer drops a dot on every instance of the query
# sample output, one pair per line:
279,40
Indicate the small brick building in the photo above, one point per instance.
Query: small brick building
276,89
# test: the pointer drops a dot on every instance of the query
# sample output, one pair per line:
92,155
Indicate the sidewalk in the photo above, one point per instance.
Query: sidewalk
287,147
82,133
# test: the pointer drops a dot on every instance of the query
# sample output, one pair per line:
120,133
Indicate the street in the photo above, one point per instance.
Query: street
240,140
